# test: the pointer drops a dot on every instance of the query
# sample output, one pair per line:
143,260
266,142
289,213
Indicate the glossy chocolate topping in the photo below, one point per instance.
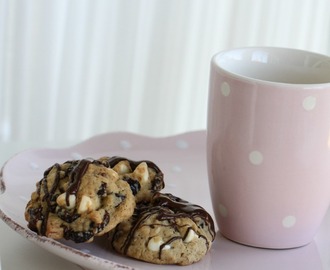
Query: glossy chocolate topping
75,178
168,207
182,208
74,170
157,183
112,161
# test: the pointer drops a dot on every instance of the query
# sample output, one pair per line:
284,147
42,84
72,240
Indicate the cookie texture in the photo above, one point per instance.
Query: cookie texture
144,177
167,230
78,200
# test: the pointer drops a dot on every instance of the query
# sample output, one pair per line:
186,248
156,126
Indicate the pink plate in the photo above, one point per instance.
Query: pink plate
182,159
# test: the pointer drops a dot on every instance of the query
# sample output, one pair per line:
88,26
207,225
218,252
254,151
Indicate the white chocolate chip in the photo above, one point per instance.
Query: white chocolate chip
112,173
155,243
142,170
191,235
166,247
61,201
122,168
85,204
72,201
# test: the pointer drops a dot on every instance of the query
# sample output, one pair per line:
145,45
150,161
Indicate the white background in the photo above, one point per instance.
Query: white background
70,69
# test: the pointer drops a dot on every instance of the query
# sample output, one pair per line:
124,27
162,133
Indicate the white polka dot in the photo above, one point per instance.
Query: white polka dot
176,169
309,103
76,155
125,144
222,210
181,144
34,166
289,221
225,89
256,158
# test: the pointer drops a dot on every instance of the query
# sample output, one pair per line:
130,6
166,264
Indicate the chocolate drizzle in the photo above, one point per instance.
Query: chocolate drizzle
113,161
182,208
75,178
140,218
162,246
167,207
157,183
75,172
57,179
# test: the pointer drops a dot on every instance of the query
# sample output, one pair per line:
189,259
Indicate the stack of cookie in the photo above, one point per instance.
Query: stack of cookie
120,198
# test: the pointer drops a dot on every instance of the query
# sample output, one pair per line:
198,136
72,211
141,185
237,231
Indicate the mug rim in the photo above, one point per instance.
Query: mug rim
215,64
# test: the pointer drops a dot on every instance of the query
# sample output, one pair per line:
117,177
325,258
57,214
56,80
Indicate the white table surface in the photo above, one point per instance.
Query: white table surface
19,253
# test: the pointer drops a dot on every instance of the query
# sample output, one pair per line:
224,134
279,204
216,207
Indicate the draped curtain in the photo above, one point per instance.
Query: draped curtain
70,69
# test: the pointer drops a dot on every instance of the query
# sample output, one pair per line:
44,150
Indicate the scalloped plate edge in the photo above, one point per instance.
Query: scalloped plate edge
89,261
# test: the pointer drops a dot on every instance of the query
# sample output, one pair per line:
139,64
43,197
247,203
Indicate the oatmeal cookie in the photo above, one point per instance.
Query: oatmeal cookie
167,230
144,177
78,200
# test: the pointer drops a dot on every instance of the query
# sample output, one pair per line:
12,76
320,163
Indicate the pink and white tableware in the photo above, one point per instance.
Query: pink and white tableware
268,144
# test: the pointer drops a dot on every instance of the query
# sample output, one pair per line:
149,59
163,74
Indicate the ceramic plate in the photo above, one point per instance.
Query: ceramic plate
182,159
177,156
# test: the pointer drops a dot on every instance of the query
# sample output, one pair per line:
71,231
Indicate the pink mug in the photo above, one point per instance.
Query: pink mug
268,144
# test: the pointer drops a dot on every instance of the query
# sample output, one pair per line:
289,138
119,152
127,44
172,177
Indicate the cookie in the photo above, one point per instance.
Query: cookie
167,230
78,200
144,177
